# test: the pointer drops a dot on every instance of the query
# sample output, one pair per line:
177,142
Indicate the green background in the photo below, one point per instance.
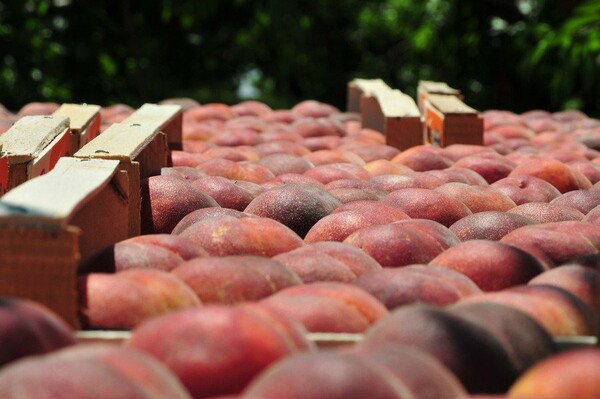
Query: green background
516,55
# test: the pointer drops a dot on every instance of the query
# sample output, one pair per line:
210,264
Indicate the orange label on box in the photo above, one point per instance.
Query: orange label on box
3,174
43,163
434,123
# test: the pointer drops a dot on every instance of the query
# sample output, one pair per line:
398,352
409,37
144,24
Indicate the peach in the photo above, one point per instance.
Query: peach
588,169
429,284
188,159
224,191
523,189
293,178
357,260
217,349
251,122
210,111
332,375
333,156
155,251
582,200
166,200
492,265
281,146
491,169
334,171
185,102
580,280
380,167
394,245
557,173
251,107
29,328
339,225
226,235
423,157
478,198
569,374
328,306
297,206
371,152
420,203
473,353
115,113
126,299
314,109
91,371
489,225
235,279
373,206
393,182
593,216
286,116
37,108
203,214
513,131
423,374
557,310
236,154
558,241
442,234
312,267
350,194
459,175
543,212
317,127
280,163
526,344
236,136
185,172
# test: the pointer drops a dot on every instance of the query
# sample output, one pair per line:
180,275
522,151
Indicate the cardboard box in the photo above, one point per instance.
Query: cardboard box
426,87
31,147
52,222
402,122
450,121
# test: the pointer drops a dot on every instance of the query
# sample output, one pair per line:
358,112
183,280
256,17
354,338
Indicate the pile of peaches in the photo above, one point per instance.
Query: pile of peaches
439,273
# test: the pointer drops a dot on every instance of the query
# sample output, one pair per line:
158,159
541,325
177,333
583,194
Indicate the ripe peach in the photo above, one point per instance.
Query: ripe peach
557,310
423,157
524,189
297,206
234,279
380,167
492,265
206,213
210,111
313,267
332,375
251,107
394,244
280,163
393,182
544,212
185,172
371,152
333,156
91,371
489,225
569,374
166,200
126,299
557,173
314,109
491,169
428,284
478,198
318,127
423,203
155,251
217,349
228,235
334,171
474,354
582,200
224,191
28,328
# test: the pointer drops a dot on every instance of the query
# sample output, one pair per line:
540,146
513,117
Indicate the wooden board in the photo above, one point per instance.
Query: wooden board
31,147
50,223
84,123
427,87
450,121
141,150
167,118
360,87
450,104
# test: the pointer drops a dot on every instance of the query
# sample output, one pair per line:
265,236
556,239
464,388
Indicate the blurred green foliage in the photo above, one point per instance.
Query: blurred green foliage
508,54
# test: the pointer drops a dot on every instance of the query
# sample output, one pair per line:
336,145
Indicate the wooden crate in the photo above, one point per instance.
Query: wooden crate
402,122
426,87
50,223
84,121
141,150
362,99
167,118
31,147
450,121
